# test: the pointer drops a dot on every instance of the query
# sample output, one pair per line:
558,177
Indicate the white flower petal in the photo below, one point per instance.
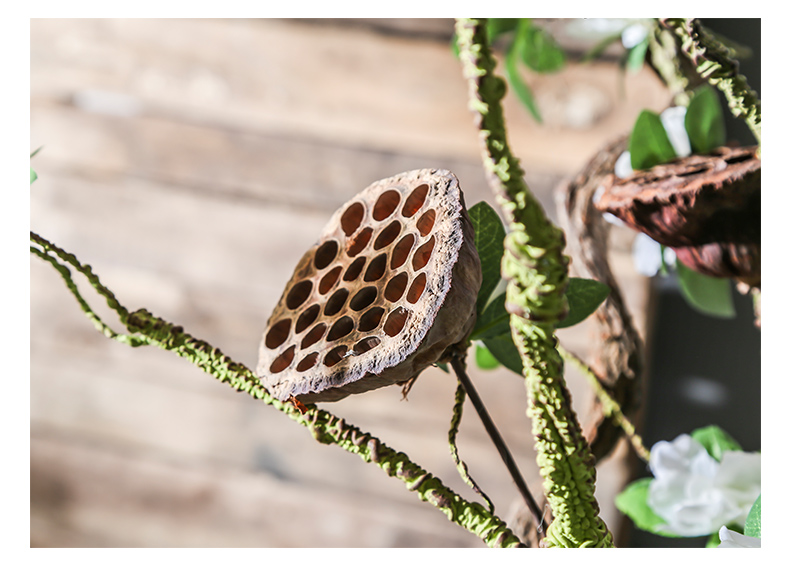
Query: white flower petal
732,539
674,123
647,255
678,455
622,167
633,35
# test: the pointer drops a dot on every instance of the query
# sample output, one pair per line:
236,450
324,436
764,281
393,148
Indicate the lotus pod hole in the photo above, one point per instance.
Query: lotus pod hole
340,329
416,289
386,204
352,217
354,269
425,223
313,335
401,251
299,294
307,362
363,298
388,289
396,287
306,318
335,302
325,254
388,235
357,243
371,319
329,280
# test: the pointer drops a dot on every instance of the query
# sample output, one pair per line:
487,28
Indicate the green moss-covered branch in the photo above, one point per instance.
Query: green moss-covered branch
715,62
460,465
326,428
611,408
537,274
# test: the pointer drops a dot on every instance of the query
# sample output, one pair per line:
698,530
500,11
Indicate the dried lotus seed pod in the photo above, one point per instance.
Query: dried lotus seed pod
389,288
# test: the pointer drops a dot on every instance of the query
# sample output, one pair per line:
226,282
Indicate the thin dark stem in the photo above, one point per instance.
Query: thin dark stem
460,370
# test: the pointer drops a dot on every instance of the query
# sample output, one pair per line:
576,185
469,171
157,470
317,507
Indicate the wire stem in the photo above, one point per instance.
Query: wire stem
460,370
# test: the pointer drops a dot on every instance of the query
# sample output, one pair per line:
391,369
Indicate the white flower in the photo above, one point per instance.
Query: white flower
732,539
696,495
674,121
622,167
633,35
647,255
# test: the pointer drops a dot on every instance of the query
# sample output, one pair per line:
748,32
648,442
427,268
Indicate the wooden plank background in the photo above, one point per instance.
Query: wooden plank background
191,162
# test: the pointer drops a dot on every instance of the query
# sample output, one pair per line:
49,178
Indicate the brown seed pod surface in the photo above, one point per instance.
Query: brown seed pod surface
390,285
693,200
707,208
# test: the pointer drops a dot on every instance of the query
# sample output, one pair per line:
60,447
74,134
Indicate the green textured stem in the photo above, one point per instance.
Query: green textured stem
537,274
460,465
611,408
326,428
715,62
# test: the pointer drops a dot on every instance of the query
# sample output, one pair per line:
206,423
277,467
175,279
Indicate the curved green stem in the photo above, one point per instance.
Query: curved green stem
537,274
611,407
325,427
452,435
715,62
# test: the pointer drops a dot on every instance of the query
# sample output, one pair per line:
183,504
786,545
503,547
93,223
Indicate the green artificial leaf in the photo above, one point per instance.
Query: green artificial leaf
753,526
632,501
489,240
705,121
600,47
709,295
484,358
493,321
522,90
649,144
636,56
506,353
715,441
498,26
584,298
538,49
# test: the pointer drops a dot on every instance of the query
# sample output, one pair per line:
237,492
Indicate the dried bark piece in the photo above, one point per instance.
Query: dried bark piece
389,289
618,355
705,207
